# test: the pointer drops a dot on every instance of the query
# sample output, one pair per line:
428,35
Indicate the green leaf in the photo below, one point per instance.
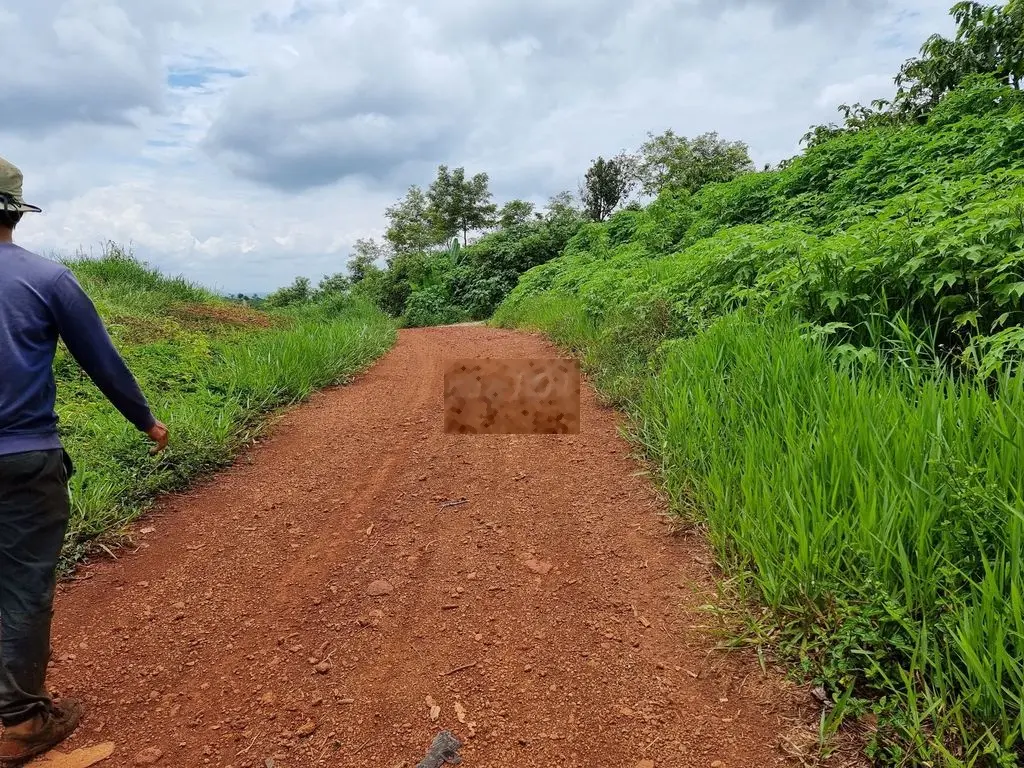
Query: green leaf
970,317
949,278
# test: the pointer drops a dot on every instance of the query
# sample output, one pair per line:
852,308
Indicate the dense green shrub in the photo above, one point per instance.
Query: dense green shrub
430,306
467,283
872,225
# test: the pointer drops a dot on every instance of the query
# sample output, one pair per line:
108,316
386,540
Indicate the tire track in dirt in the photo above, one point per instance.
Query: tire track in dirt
242,630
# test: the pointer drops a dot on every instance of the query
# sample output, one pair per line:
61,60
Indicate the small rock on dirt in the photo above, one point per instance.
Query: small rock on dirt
380,588
645,764
306,729
539,566
148,756
435,710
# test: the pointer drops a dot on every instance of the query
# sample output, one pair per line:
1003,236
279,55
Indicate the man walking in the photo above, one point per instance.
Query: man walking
40,300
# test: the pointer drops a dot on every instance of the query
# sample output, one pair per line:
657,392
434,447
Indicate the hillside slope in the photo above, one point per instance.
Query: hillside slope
823,359
212,370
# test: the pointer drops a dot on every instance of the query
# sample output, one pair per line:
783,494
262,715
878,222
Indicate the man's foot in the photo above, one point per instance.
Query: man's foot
22,742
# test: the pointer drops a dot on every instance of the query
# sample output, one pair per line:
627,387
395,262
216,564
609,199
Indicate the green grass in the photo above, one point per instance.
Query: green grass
876,509
881,506
213,372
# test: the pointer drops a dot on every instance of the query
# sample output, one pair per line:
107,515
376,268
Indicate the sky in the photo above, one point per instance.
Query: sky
242,143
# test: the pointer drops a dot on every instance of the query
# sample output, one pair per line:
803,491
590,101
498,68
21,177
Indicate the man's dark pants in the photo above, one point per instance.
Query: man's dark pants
34,510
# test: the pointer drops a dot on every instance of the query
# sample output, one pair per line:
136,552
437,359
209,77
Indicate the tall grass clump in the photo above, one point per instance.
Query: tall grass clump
212,371
880,506
322,345
118,279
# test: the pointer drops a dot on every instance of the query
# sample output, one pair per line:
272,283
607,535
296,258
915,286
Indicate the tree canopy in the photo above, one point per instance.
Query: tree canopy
365,255
457,204
606,185
514,213
989,39
409,223
670,160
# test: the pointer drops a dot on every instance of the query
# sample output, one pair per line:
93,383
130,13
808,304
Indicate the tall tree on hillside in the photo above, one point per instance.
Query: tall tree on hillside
366,253
563,206
606,184
668,160
989,39
459,205
410,226
513,213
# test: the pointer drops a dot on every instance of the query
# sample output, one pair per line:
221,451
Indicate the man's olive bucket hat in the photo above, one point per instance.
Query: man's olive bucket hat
11,181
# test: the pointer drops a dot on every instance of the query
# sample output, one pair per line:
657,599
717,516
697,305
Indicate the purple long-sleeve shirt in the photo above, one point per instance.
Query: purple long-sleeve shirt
39,301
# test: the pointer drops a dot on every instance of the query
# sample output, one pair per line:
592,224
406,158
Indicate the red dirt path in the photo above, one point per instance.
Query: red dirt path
244,621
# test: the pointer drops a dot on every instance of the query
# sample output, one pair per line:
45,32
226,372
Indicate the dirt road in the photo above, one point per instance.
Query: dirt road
552,617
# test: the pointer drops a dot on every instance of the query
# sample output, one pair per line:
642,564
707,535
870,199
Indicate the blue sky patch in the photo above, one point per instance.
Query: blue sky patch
199,76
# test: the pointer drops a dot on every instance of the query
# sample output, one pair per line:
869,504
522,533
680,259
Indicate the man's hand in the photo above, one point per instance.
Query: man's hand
158,434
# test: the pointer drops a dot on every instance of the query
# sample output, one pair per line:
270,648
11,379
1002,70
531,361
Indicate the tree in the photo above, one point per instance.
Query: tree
296,293
563,206
410,227
989,39
331,284
514,213
457,204
669,160
605,186
366,253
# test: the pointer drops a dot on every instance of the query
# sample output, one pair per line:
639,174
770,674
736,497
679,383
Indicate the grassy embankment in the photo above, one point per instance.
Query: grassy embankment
823,360
212,370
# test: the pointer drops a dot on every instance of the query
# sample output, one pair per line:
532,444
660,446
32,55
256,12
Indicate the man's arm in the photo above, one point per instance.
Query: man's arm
89,343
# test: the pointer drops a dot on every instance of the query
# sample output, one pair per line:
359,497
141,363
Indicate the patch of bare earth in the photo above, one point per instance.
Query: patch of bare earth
360,581
224,314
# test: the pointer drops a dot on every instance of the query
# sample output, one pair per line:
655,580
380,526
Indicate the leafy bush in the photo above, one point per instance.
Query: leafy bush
870,225
430,306
466,283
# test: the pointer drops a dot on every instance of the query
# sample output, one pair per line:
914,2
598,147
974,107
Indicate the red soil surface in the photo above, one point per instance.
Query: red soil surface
534,591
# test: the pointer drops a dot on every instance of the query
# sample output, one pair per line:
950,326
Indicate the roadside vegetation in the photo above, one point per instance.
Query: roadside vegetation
213,371
824,359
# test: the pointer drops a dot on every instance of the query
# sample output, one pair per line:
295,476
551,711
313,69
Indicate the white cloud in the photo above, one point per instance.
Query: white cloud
860,90
244,142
